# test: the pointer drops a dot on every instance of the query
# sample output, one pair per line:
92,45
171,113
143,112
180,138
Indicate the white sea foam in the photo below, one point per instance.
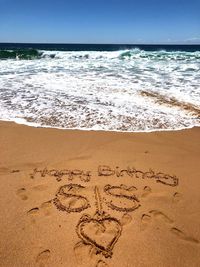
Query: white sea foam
129,90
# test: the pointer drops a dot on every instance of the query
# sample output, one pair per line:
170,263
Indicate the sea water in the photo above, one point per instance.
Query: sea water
100,87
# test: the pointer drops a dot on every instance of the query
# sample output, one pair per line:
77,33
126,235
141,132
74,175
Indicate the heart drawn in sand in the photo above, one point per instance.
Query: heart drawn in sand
102,233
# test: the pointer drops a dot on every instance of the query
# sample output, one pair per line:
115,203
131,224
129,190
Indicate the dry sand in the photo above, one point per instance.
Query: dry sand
77,198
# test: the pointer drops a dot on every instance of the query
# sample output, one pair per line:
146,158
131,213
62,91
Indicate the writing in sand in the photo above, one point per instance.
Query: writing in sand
106,171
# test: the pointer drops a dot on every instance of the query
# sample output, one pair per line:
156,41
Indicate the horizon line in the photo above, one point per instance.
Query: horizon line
77,43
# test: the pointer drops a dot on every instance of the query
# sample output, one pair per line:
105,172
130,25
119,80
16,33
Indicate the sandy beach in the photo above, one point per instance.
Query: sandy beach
86,198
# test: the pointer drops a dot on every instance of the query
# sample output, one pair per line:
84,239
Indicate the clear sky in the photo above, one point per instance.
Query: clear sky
100,21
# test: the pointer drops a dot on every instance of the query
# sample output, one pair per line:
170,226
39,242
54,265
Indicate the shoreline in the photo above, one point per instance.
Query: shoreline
99,198
34,125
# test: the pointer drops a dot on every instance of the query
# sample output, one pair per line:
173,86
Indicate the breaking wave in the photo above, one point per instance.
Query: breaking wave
121,54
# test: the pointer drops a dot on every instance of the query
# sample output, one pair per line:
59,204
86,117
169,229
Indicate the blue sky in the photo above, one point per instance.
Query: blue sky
100,21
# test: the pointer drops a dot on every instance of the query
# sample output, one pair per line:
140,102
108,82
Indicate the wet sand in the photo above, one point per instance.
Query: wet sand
86,198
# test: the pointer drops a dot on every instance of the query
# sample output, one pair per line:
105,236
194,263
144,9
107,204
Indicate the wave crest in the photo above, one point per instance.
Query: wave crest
158,55
20,54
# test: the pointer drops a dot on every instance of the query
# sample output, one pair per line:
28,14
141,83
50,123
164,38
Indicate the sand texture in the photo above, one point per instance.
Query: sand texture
96,199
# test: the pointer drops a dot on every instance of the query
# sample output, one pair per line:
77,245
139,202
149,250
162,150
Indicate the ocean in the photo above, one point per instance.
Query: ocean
129,88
